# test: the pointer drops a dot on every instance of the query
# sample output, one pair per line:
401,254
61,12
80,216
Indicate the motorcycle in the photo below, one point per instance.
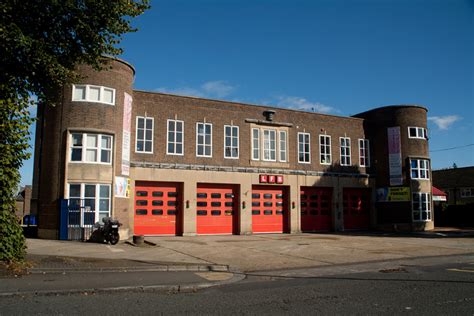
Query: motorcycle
108,232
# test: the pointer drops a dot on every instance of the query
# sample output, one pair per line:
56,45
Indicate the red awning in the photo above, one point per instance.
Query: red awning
438,192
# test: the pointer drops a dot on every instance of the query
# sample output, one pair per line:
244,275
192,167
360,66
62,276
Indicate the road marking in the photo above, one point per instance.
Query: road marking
115,249
461,270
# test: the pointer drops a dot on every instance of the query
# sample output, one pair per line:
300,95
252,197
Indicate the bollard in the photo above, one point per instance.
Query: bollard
138,240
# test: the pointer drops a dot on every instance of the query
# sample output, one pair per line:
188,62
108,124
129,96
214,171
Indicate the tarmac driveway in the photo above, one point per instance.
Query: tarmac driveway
266,251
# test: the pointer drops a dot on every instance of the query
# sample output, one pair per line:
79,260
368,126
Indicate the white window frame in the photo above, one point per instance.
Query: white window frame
203,145
304,151
267,145
282,152
145,129
467,192
327,149
419,169
174,142
345,151
423,207
87,94
255,144
84,148
421,132
97,198
232,127
364,152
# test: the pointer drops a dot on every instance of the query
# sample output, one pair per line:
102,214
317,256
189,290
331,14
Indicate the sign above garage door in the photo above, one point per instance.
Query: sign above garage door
268,178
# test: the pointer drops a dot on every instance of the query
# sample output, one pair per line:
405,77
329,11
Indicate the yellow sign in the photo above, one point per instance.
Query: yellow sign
396,194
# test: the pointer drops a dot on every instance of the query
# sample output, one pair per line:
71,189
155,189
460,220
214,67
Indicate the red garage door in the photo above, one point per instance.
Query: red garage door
157,208
356,206
216,209
269,209
316,206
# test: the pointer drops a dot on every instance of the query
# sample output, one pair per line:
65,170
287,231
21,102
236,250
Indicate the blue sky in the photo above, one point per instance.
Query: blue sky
330,56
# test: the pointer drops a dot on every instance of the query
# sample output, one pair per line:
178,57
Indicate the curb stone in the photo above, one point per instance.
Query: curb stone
179,288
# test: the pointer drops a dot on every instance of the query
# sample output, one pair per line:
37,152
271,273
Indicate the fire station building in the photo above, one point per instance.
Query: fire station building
174,165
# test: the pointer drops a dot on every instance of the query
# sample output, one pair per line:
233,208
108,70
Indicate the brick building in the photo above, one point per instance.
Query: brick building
171,165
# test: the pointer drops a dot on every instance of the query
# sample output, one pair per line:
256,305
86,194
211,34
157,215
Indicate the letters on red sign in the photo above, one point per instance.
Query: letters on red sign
279,179
264,178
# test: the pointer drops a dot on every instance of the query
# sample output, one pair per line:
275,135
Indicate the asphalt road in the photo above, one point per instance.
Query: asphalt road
446,288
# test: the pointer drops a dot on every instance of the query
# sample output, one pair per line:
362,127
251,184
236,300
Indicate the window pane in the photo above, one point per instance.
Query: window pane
77,139
94,93
76,154
141,122
105,156
148,134
106,142
171,125
148,146
140,145
412,132
89,191
79,93
149,123
104,205
74,190
90,203
104,191
91,155
108,96
140,134
91,141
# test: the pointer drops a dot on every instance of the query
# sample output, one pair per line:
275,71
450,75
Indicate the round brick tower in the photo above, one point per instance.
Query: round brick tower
401,159
79,143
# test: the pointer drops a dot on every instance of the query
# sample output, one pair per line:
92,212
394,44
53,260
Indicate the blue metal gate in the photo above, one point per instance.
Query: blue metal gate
76,221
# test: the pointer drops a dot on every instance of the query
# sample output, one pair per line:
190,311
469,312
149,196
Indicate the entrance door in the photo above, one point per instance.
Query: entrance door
157,208
269,209
316,209
216,209
356,206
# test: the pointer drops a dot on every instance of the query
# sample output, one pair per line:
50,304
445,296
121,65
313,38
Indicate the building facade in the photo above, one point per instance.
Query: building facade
174,165
458,183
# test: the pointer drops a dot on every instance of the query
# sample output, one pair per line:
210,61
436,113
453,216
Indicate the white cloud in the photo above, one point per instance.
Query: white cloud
299,103
444,122
209,89
218,88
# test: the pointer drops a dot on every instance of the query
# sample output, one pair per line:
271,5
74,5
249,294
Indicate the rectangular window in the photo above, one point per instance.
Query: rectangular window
90,93
345,151
304,148
231,142
255,144
417,132
144,136
93,148
364,156
203,140
94,199
420,168
421,206
175,141
283,149
467,192
325,149
269,145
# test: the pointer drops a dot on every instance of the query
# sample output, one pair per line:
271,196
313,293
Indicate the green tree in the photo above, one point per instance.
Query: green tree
41,42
